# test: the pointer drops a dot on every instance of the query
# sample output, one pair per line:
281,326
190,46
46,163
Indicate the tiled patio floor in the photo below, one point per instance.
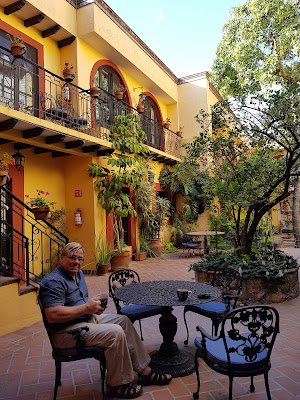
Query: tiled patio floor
27,368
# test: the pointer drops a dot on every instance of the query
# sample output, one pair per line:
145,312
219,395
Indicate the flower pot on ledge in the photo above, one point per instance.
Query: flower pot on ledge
17,49
94,92
40,213
118,95
68,75
3,177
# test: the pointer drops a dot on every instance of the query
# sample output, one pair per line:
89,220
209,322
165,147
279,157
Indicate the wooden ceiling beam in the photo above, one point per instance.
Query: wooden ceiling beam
90,149
33,132
34,20
14,7
66,41
74,144
8,124
20,146
5,141
55,139
104,152
56,154
51,31
41,150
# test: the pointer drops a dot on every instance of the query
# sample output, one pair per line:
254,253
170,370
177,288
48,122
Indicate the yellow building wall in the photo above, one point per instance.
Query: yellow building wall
17,311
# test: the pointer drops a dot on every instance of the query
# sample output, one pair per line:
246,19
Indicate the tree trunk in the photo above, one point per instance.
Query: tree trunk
296,213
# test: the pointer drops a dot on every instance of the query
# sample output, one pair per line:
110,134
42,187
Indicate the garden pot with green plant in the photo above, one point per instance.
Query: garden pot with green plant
127,169
102,255
40,206
5,161
119,91
141,249
17,46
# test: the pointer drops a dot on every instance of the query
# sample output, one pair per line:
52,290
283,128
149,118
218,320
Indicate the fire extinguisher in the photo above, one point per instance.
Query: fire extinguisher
67,93
77,216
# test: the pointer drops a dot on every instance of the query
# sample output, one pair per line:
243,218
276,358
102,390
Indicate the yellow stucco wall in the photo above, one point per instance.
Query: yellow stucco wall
17,311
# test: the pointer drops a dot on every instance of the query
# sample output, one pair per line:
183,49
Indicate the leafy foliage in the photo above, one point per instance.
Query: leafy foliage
260,46
265,262
169,247
127,169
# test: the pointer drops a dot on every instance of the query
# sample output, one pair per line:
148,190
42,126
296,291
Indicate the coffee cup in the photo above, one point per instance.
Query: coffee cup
103,298
183,294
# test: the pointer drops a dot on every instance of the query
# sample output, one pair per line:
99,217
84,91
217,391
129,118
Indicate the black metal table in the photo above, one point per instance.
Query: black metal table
168,358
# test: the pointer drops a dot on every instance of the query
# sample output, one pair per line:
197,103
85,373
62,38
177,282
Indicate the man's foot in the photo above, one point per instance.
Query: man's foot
150,377
126,391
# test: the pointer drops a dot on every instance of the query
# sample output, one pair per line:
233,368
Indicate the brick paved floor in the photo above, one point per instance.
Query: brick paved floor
27,368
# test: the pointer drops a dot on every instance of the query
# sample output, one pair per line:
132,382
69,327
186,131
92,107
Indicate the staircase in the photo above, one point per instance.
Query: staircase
29,250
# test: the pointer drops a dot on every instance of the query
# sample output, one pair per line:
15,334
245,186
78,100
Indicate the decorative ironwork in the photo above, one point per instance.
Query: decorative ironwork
30,248
25,86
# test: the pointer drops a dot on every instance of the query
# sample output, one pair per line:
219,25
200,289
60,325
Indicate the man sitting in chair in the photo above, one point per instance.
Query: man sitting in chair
64,297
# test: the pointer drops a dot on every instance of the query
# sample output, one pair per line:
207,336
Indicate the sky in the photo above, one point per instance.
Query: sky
183,34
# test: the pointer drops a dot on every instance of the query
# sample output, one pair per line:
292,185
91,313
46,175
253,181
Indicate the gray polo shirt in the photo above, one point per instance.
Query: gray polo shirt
60,289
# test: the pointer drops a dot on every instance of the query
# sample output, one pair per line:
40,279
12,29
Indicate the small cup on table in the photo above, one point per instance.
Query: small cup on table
103,298
183,294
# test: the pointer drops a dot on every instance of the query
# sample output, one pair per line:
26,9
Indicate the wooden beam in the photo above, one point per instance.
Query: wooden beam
34,20
33,132
20,146
55,139
104,152
90,149
14,7
56,154
51,31
74,144
41,150
66,41
8,124
5,141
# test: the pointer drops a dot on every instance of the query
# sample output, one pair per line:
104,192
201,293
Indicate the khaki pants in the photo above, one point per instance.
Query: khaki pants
125,351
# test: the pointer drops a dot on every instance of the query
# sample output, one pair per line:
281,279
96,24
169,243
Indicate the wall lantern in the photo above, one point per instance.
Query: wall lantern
151,178
19,160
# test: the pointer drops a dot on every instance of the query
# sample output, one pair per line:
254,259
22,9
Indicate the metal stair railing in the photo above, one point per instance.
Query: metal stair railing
29,248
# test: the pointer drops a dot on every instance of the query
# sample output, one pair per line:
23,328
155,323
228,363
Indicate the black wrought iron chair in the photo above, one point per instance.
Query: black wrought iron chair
244,346
78,352
189,245
134,312
229,281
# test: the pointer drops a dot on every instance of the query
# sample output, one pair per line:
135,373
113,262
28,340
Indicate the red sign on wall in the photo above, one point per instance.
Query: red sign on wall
78,193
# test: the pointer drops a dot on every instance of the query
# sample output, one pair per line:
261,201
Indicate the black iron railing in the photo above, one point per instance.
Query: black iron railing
28,248
32,89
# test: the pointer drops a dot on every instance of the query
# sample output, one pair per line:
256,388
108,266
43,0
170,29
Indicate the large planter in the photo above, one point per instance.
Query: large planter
120,261
140,256
17,49
102,269
3,177
262,290
40,213
156,243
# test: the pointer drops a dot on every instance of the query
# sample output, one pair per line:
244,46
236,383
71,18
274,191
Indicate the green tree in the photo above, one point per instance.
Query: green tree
248,171
260,46
128,168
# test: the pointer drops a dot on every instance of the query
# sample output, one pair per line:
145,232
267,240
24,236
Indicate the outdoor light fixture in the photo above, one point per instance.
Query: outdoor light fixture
142,95
19,160
151,177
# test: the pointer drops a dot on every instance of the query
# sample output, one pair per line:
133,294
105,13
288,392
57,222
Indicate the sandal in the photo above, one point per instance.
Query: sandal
154,378
126,391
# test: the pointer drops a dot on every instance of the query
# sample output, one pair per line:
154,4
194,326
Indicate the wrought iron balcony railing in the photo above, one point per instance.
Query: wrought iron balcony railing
28,248
32,89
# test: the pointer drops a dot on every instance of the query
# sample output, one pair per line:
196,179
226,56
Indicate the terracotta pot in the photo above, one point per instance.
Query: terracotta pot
156,243
140,256
118,95
3,177
140,109
68,75
167,126
102,269
17,49
94,92
40,213
179,134
120,261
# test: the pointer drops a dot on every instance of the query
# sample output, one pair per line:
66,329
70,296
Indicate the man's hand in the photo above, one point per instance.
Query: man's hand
94,307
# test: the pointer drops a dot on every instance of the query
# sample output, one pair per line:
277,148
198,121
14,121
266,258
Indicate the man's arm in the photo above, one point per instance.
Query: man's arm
59,314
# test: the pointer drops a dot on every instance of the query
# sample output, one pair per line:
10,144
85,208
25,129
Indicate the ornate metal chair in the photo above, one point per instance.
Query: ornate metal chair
188,244
78,352
244,346
229,281
134,312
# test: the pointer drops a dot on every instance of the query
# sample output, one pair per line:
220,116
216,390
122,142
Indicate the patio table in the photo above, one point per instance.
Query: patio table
205,234
168,358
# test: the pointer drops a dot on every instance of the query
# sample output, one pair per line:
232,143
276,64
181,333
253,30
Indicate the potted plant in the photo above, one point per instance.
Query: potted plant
102,255
17,46
127,169
119,91
94,92
179,132
40,206
167,123
68,72
5,161
141,249
140,106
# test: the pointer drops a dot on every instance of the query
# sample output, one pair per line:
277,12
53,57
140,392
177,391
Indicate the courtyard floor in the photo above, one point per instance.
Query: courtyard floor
27,368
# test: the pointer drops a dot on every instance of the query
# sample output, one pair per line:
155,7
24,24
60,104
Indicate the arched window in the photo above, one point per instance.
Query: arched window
152,123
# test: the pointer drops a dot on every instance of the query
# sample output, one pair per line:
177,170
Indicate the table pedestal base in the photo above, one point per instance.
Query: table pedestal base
180,364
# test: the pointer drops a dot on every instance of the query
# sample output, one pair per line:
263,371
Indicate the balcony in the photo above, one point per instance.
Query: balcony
31,89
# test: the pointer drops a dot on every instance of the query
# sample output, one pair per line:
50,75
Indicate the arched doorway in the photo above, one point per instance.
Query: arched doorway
152,123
